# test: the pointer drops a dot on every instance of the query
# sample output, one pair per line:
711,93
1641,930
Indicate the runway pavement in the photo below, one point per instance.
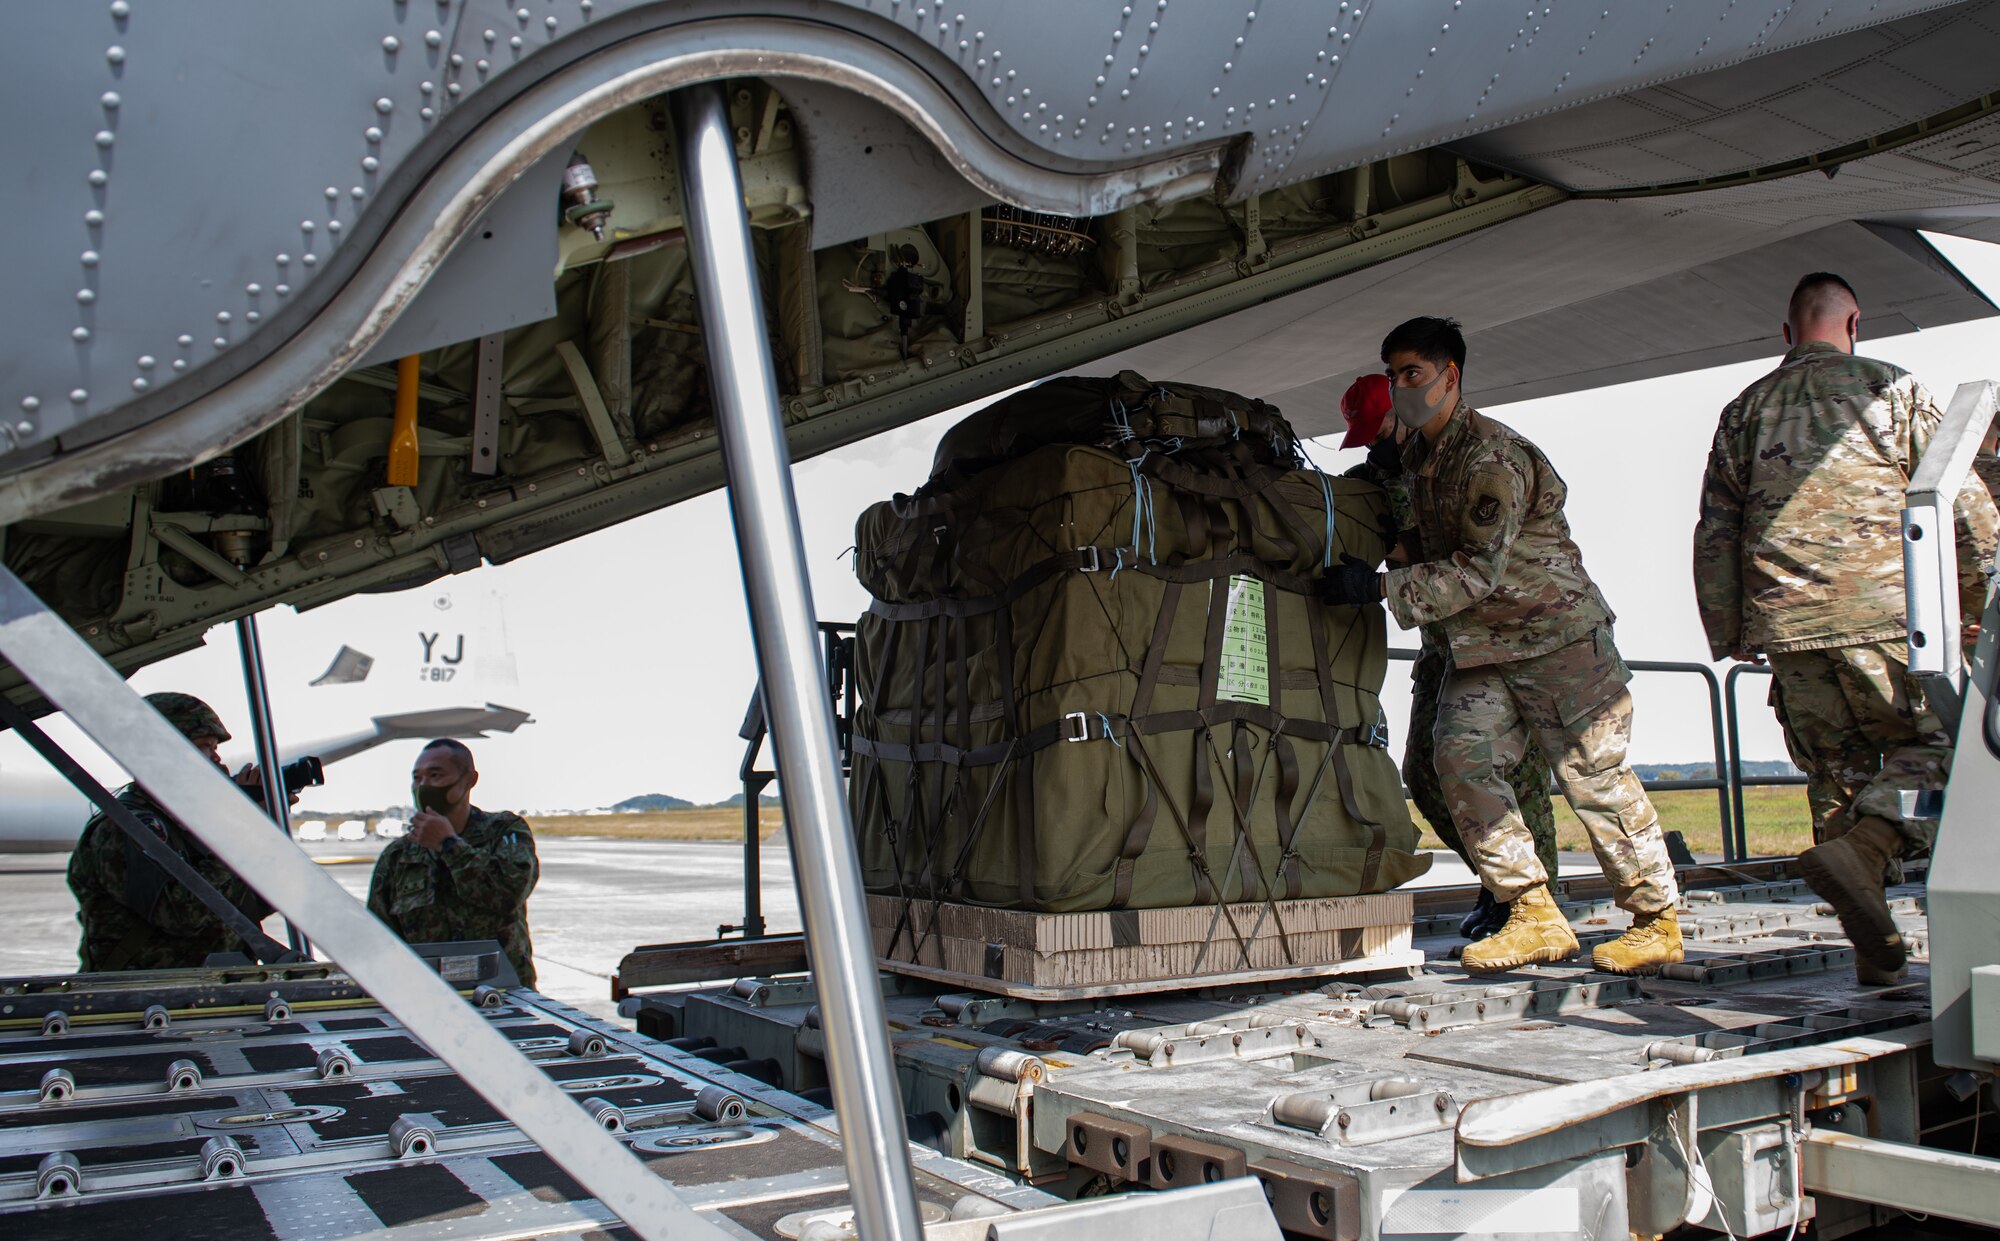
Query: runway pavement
597,900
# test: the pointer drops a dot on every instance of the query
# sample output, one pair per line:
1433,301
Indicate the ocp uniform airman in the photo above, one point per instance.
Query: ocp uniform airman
1529,778
1530,643
1798,556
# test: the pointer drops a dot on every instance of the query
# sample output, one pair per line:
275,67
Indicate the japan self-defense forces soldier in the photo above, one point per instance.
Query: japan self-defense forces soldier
135,916
1798,558
1529,638
1365,408
462,873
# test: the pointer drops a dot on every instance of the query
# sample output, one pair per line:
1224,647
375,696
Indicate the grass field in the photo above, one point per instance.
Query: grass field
702,824
1777,823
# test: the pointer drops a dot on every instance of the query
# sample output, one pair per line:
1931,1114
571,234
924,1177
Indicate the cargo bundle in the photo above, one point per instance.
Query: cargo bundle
1095,675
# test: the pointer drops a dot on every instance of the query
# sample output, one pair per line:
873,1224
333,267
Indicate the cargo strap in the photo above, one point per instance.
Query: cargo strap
1090,726
1094,559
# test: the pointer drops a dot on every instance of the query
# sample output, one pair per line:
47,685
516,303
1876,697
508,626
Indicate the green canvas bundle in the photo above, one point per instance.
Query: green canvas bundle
1097,677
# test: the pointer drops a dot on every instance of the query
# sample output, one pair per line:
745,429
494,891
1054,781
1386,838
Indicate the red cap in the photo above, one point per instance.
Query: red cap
1365,404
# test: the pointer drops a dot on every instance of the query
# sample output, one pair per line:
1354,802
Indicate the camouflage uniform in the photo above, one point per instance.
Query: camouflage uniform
1799,555
1530,644
1529,778
135,916
477,889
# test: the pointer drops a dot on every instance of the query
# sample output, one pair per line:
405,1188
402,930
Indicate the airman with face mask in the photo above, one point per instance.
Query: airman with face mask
1366,407
1529,639
462,873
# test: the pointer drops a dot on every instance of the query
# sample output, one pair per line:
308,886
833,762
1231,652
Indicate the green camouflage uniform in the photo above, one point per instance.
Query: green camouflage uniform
1798,555
1529,638
1529,778
477,889
135,916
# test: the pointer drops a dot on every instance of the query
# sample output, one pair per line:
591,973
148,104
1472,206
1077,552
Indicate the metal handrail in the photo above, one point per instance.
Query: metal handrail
1736,777
837,639
1724,731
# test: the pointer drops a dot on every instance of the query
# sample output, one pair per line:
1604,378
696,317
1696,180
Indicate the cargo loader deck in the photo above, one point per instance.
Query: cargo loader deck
1553,1101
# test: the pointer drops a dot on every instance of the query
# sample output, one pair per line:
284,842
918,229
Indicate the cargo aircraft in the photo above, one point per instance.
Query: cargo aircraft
317,300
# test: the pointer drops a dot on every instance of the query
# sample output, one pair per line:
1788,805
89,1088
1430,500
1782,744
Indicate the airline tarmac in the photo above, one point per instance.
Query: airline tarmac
597,900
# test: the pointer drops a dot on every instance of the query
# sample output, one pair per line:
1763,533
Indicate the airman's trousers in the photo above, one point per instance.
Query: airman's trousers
1573,702
1529,779
1859,721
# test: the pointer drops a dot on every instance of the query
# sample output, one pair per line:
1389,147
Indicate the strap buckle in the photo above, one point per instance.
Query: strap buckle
1375,736
1091,561
1076,726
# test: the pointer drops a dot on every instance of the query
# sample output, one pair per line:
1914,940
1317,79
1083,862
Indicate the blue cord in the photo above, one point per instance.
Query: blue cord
1107,731
1142,508
1326,493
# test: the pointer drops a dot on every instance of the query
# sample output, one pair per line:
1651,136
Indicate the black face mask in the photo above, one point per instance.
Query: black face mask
432,797
1386,455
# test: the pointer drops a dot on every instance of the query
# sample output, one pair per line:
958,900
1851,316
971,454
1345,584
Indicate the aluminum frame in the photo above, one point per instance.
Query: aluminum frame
1930,546
75,680
764,510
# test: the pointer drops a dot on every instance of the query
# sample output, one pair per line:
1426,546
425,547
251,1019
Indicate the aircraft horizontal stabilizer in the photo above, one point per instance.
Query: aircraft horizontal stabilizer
459,722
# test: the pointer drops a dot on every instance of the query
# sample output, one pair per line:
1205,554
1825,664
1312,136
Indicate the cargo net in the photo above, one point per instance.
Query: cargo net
1096,674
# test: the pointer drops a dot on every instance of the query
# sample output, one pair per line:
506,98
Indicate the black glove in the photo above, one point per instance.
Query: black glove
1353,582
1386,455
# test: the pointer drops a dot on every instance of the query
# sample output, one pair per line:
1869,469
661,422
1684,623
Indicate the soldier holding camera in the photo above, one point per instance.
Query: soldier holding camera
462,873
134,915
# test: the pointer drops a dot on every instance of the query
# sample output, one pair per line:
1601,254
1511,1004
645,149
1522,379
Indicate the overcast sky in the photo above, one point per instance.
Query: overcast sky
631,646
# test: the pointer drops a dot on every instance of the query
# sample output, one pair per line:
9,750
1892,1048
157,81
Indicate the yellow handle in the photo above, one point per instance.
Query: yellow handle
403,440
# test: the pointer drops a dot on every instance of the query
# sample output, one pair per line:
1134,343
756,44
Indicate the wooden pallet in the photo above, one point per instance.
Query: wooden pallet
1042,956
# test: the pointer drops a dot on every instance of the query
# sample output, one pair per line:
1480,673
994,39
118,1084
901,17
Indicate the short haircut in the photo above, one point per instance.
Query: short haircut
1436,341
1819,296
457,749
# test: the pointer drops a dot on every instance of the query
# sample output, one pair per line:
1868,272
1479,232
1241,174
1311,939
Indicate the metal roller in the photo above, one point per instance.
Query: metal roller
276,1009
1679,1053
335,1062
608,1115
58,1176
183,1076
1142,1042
55,1024
156,1017
1012,1066
485,996
58,1086
586,1044
411,1138
221,1159
1310,1110
744,988
719,1104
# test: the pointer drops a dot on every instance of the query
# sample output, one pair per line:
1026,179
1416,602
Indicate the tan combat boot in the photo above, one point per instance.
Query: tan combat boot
1536,931
1847,873
1653,941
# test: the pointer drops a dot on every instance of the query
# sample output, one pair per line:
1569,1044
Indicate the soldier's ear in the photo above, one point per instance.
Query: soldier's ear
1787,330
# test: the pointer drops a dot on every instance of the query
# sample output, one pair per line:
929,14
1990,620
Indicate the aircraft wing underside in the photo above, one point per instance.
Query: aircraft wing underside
202,366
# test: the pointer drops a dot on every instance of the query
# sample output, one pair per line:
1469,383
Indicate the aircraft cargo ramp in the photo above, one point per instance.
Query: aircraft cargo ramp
278,1102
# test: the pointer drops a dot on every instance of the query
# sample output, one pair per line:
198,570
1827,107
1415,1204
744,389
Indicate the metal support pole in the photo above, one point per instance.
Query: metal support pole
265,734
765,511
75,680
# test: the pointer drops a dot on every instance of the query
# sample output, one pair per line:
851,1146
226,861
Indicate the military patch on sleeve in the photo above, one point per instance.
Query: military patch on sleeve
1486,510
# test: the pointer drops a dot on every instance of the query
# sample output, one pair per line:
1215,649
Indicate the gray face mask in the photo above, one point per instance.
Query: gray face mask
1415,407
